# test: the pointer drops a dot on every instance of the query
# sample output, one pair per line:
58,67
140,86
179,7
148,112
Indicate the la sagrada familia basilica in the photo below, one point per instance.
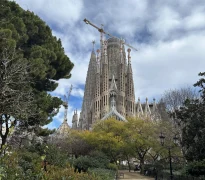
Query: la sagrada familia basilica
109,88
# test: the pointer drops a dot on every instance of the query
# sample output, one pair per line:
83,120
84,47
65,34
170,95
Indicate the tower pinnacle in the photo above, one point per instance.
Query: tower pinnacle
129,57
93,42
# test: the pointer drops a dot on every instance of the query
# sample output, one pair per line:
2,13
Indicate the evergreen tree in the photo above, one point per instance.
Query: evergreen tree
192,116
26,40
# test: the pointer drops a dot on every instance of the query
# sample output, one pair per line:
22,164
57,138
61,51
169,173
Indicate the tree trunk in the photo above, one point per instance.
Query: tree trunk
142,166
5,135
128,161
3,141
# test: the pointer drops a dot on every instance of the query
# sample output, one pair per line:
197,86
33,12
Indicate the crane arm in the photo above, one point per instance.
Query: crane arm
102,31
99,29
130,46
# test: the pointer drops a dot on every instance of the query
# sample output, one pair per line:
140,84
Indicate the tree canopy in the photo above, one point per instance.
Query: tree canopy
192,117
31,60
137,138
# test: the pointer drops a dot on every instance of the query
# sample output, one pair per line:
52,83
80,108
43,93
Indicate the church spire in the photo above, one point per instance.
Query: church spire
147,109
96,114
121,55
130,95
105,53
98,60
154,105
93,42
139,109
101,47
129,70
121,81
105,82
89,89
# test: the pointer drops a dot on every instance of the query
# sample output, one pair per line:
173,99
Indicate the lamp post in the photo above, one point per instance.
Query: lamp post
175,139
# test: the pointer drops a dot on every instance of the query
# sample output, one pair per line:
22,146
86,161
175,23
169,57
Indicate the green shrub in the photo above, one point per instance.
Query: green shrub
56,156
83,163
99,159
196,168
20,165
95,160
26,165
102,174
112,166
67,173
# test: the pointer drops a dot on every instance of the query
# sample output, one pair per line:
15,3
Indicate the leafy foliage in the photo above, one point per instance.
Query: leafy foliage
102,174
124,140
96,159
107,137
21,165
31,60
196,168
27,163
67,173
78,144
192,116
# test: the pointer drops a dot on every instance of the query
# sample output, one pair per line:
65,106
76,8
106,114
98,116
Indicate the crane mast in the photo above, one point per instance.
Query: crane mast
65,102
101,30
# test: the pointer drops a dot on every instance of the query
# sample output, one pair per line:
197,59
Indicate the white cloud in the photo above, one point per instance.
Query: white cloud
195,21
166,21
78,92
60,13
123,17
168,65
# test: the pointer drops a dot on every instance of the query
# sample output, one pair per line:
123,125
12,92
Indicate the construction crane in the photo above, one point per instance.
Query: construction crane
65,102
101,30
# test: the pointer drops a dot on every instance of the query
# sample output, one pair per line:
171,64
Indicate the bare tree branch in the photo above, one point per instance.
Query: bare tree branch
16,97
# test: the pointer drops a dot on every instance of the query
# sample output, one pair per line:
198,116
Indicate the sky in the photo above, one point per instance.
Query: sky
169,36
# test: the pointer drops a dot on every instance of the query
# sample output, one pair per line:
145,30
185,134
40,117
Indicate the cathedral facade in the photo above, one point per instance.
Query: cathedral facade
109,88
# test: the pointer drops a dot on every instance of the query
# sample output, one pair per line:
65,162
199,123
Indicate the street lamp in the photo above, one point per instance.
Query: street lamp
175,139
162,137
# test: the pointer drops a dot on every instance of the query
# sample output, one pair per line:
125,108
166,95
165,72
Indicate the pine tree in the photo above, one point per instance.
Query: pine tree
27,42
192,116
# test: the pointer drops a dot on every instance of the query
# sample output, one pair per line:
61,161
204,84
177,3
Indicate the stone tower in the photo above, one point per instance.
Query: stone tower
109,88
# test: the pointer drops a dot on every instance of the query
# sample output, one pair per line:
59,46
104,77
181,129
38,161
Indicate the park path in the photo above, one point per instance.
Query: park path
133,175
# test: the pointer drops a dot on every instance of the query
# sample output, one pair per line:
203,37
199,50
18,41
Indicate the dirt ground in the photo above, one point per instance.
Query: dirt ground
132,175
